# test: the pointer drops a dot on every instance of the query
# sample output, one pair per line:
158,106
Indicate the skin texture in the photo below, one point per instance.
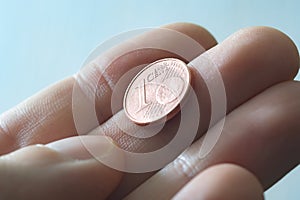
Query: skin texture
47,116
242,82
268,126
224,181
260,134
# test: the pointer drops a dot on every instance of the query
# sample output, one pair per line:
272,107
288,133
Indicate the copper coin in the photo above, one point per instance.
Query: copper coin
156,91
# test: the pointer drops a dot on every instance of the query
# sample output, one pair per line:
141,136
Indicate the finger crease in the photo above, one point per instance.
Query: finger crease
4,130
106,77
185,167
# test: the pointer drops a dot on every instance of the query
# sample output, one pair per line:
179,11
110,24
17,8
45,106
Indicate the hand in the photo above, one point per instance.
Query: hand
260,136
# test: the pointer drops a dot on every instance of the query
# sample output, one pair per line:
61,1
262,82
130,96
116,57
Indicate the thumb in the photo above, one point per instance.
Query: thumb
60,170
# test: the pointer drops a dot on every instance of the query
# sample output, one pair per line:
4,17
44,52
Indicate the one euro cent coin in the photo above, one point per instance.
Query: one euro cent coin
157,91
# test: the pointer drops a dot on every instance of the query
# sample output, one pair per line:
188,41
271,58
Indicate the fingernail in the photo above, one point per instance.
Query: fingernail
85,147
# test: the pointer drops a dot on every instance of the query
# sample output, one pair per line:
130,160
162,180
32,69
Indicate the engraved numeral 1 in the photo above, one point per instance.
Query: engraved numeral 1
142,97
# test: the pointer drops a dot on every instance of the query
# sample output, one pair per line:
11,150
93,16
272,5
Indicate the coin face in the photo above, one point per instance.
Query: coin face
156,91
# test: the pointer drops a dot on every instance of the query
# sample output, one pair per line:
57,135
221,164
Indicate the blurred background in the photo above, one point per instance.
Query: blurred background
41,42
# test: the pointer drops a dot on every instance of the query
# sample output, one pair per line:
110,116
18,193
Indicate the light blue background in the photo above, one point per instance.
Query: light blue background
43,41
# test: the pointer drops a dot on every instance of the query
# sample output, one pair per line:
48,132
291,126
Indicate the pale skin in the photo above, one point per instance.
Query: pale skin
259,144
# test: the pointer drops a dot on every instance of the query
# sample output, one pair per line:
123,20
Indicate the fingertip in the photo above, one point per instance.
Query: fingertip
83,147
224,181
270,45
195,31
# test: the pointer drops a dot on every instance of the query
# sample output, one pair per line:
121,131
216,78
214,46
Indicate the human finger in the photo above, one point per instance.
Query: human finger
260,135
248,66
223,181
59,170
48,115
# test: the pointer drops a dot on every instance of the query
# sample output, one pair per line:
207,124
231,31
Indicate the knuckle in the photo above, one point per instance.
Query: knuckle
185,167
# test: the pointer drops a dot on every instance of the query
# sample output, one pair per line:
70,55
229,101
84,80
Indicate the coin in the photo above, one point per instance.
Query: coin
157,91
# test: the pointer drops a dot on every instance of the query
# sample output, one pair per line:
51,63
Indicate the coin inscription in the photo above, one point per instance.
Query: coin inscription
156,91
